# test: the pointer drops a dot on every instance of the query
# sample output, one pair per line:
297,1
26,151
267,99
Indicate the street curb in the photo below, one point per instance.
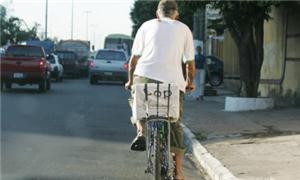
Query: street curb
213,167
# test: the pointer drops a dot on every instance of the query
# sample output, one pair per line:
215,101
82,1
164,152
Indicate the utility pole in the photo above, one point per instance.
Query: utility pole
94,33
87,24
72,19
46,20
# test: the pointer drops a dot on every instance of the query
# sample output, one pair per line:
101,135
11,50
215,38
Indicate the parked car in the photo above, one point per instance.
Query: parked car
57,70
25,65
70,63
108,65
214,73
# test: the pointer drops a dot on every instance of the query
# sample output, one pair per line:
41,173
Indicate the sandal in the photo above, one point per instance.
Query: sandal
138,144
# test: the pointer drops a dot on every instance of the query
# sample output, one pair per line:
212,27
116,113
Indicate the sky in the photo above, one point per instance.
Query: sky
104,17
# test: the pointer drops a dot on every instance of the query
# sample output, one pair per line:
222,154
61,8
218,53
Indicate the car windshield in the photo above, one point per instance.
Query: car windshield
24,51
66,56
111,55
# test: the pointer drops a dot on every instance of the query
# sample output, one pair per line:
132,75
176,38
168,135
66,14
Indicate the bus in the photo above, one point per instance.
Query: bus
119,41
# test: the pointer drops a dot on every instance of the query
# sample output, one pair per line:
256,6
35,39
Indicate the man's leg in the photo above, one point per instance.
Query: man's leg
140,127
178,166
139,143
177,146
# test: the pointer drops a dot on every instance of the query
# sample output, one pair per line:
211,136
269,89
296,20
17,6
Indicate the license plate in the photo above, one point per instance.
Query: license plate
108,73
18,75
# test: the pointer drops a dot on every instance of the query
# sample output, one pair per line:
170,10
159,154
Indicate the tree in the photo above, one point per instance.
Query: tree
142,11
146,10
14,29
245,22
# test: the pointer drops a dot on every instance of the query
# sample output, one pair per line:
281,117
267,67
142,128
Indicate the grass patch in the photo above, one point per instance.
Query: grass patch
200,136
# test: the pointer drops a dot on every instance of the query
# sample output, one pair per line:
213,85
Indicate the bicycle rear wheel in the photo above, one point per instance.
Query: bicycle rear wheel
160,158
157,165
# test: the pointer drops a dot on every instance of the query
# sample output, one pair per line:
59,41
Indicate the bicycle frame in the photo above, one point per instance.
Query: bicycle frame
158,137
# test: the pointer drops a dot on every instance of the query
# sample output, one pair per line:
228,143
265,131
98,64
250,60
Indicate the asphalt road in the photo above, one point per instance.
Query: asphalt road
75,131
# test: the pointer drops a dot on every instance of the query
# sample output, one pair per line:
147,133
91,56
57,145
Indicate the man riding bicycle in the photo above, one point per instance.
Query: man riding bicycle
160,47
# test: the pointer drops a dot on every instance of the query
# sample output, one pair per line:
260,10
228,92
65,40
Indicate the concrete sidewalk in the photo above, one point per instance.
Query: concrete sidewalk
250,145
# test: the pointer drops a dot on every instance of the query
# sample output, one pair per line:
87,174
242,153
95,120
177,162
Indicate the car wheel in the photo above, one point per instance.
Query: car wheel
215,80
8,85
42,86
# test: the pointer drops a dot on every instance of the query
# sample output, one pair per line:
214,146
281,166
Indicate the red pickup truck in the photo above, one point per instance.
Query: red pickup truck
25,65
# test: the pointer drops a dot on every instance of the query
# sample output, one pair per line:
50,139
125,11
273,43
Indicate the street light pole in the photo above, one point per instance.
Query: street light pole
72,19
46,20
94,34
87,24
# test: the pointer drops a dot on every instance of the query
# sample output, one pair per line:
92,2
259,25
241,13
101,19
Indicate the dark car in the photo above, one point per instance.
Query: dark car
214,73
70,62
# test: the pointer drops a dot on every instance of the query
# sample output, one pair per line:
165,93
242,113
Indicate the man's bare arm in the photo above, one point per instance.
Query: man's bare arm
190,72
131,67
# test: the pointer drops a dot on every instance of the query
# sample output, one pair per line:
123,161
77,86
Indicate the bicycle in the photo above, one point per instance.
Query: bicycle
158,104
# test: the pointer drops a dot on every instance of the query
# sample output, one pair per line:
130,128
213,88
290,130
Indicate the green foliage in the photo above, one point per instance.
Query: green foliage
187,10
142,11
239,15
200,136
146,10
12,29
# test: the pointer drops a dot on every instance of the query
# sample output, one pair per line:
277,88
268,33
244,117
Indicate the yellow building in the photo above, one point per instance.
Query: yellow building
280,73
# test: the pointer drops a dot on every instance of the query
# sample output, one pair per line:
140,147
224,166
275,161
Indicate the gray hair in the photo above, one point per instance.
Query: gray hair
167,8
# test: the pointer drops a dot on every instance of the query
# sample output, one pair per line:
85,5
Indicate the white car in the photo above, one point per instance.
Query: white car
109,65
57,70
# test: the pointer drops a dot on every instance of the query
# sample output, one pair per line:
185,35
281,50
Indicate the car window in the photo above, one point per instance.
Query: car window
24,51
111,55
66,56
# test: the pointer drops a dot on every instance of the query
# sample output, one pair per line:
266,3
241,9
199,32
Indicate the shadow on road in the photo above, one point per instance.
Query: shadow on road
75,109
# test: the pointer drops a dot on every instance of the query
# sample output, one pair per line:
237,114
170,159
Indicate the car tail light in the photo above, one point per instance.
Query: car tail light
42,64
125,66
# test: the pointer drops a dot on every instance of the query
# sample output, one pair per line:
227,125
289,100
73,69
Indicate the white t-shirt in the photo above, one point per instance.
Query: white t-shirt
163,45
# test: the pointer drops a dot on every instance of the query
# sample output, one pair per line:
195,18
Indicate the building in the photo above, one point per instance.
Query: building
280,75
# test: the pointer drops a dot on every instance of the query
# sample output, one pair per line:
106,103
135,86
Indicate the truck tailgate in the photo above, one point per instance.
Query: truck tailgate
20,64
